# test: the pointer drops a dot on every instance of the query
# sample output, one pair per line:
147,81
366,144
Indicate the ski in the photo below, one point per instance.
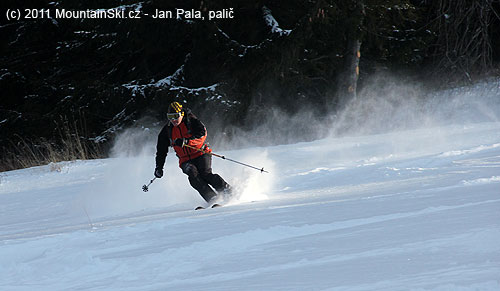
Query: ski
213,206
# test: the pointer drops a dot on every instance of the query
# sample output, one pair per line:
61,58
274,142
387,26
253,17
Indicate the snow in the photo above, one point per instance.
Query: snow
272,23
412,209
170,83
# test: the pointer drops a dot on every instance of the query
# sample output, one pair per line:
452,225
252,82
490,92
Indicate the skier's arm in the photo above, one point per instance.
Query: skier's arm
162,148
198,133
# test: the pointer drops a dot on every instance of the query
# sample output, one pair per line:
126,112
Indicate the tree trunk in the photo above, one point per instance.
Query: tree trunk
352,67
348,81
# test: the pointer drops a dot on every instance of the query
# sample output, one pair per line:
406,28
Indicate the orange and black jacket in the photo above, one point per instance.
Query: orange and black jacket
191,129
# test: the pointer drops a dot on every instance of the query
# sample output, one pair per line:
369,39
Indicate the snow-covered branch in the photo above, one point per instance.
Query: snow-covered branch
272,23
167,81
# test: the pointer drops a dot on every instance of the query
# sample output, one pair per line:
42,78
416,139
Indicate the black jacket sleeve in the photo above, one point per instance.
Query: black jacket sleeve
196,128
162,146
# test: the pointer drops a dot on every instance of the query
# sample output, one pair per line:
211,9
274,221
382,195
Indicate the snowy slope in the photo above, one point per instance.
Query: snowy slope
418,209
412,209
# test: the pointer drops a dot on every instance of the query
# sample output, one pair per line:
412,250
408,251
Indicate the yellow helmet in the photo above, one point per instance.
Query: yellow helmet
175,110
174,107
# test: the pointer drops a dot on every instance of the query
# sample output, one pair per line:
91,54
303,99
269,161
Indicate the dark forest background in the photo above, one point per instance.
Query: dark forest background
69,86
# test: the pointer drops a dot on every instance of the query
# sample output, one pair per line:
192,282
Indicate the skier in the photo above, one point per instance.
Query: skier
185,133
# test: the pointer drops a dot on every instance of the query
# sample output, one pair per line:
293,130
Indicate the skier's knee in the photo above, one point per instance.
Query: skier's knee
189,169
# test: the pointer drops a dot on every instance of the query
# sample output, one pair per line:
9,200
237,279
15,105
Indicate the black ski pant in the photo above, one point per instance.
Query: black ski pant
199,171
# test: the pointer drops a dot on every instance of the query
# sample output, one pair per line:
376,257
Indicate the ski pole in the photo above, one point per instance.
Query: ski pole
145,188
228,159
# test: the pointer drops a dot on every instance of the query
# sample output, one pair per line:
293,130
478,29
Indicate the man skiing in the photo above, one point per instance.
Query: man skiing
186,134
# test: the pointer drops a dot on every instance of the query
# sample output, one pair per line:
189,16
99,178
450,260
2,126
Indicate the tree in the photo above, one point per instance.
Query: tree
463,49
348,79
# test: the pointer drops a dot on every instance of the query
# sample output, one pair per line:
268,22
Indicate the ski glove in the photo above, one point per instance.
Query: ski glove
158,173
180,142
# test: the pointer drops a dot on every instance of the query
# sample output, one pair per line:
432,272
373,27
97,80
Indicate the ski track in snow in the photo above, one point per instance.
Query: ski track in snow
395,211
